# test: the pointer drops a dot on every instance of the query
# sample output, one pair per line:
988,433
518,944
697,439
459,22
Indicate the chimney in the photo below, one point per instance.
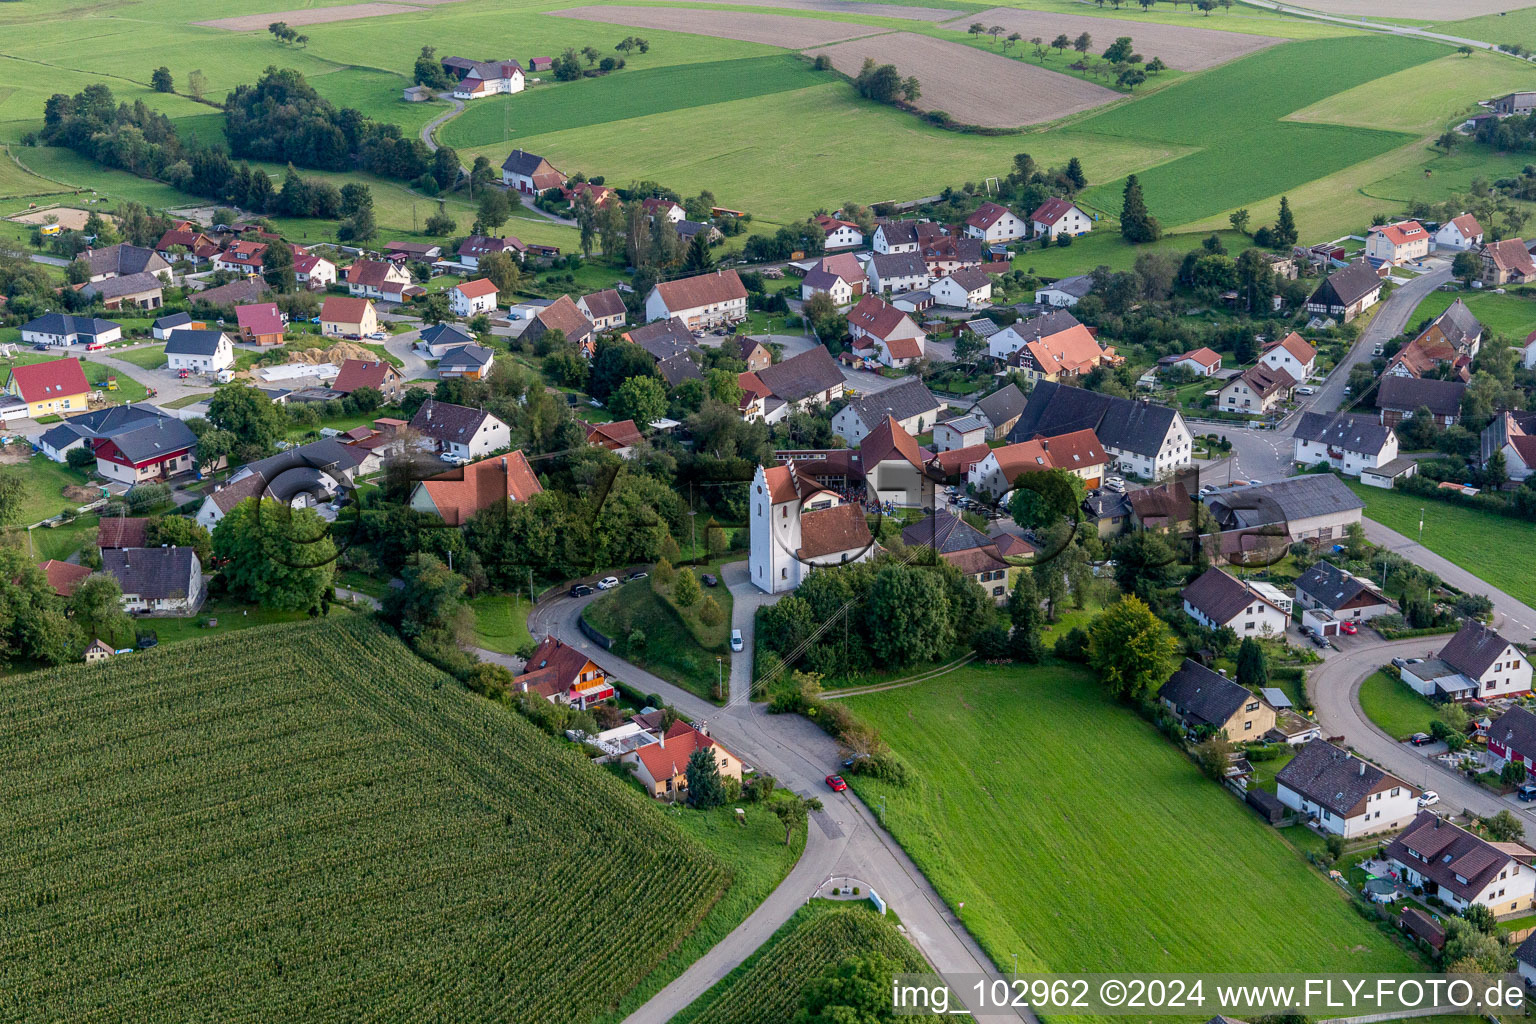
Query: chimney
1362,769
663,741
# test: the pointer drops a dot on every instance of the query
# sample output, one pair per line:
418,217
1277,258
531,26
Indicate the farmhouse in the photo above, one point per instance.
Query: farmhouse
947,254
1346,443
1057,216
702,303
1461,869
460,431
910,403
369,373
564,316
56,386
1202,362
1342,595
994,223
965,547
1217,600
797,526
1459,233
1064,293
260,324
1258,389
1146,440
1347,293
800,382
561,674
963,289
881,331
473,362
896,236
61,329
1451,339
604,308
151,448
199,351
378,279
959,432
530,174
1078,452
841,234
1000,410
241,258
1049,347
490,78
897,272
1317,507
1476,662
124,260
1397,243
163,581
470,298
343,316
475,246
1522,103
1507,262
1400,397
1205,701
1346,796
455,496
1292,354
139,291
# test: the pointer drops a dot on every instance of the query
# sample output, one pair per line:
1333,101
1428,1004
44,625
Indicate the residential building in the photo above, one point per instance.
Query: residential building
880,331
1346,293
530,174
1217,600
55,387
1460,869
129,291
754,353
1064,293
471,298
1513,434
1459,233
439,338
662,767
87,428
261,323
896,236
1048,347
1142,439
1507,262
841,234
460,431
946,254
241,258
896,272
1512,739
65,577
124,260
1057,216
157,581
1346,796
619,437
959,432
150,449
562,674
122,532
843,266
370,373
909,402
1292,354
183,240
800,382
954,465
1452,339
1387,476
473,362
378,279
666,209
1346,443
475,246
663,339
1258,389
565,316
163,327
313,272
1340,594
490,78
1207,702
1397,243
1202,362
1109,512
1476,662
837,288
965,547
1400,397
703,302
892,466
199,351
963,289
458,494
1000,410
345,316
1316,507
798,526
1168,506
605,309
61,329
994,223
298,477
1078,452
252,289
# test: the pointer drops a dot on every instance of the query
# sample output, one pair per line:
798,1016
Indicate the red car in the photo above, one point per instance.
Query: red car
1348,628
836,783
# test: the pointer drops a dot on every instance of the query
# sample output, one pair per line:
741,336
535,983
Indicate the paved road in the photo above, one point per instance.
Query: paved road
429,130
1515,619
1401,30
844,839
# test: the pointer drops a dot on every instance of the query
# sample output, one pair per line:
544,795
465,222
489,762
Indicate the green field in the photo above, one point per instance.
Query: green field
1079,838
150,357
308,823
670,649
1509,27
1395,709
45,482
1492,547
501,622
1508,316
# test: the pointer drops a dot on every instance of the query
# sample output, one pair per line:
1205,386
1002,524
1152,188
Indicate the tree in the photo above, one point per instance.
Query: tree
277,267
1130,78
1061,43
197,84
179,532
441,223
1239,220
1044,497
81,457
493,210
1465,51
642,399
855,990
1075,174
1156,65
503,270
1132,649
429,604
907,615
360,227
1136,224
1252,664
248,415
686,591
13,491
703,774
793,813
160,80
446,167
1026,643
274,555
1213,756
1119,52
1082,43
1284,232
1467,266
429,70
1503,827
977,28
97,608
567,66
698,259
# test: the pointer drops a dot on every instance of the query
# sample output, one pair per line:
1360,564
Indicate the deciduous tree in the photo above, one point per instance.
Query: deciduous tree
1132,649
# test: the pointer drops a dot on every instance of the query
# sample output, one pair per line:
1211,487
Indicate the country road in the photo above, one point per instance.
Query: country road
1374,26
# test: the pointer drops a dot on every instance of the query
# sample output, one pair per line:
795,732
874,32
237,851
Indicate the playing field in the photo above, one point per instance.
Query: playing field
308,823
1079,838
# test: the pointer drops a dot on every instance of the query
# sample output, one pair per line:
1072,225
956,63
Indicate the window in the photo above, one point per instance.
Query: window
1253,706
1247,727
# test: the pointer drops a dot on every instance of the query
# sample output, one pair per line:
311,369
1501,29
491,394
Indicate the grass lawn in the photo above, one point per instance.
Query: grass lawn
186,400
501,622
150,357
232,615
45,482
1509,315
1494,548
1019,801
60,542
671,650
1391,705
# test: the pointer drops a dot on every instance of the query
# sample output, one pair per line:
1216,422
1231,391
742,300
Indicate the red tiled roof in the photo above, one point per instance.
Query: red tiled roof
121,532
889,441
1076,450
244,253
703,290
476,288
1296,345
64,577
618,434
960,460
844,265
344,309
827,531
878,317
669,758
1510,254
262,318
363,373
461,493
1203,356
1051,211
1402,232
986,215
1467,225
57,378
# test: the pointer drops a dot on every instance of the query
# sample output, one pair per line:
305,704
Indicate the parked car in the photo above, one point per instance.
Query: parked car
736,641
378,336
1348,628
836,783
1398,663
1306,389
1429,799
1526,794
1319,640
1419,739
580,590
710,579
635,576
607,583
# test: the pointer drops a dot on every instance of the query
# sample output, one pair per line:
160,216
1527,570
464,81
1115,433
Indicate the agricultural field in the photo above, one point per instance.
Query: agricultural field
788,31
1495,23
349,819
1181,47
1510,316
1012,814
1395,709
501,622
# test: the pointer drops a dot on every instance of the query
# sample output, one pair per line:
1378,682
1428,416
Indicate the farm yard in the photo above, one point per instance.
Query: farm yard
359,831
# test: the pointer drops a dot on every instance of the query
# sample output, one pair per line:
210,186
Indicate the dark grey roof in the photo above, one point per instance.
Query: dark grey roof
970,278
442,421
1449,856
1361,434
1332,587
1516,729
440,334
123,259
1077,286
663,339
1133,425
61,436
809,373
1458,325
1219,597
1107,505
1297,497
1045,325
945,532
909,398
1474,649
898,264
1203,697
327,454
193,343
899,232
173,320
154,438
1526,952
1347,286
1002,405
1330,777
472,356
519,162
64,324
252,289
127,284
983,327
1408,394
676,369
152,573
114,419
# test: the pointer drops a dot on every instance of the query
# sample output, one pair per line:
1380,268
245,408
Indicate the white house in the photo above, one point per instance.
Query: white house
1347,796
199,351
896,236
1476,662
377,279
877,328
1079,452
457,430
472,297
960,432
1291,354
530,173
1216,600
314,272
1397,243
165,326
490,78
897,272
910,404
1066,292
841,234
157,580
1347,443
703,302
1202,362
1459,233
797,527
964,289
1057,216
668,210
61,329
994,223
837,288
1460,869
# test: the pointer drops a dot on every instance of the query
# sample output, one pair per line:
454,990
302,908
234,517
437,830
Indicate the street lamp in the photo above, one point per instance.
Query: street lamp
719,676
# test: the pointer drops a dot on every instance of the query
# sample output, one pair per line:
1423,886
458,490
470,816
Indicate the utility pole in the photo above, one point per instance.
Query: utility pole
1421,526
719,676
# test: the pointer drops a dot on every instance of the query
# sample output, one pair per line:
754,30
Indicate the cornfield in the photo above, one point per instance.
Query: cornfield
306,823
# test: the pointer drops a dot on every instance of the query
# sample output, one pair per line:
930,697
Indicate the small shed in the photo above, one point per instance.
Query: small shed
1267,804
1422,927
416,94
1388,475
99,650
1276,697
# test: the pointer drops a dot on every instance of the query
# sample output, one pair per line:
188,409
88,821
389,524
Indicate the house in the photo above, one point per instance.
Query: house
880,331
1146,440
1507,262
87,428
561,674
965,547
564,316
1342,595
157,581
946,254
662,767
702,303
1512,739
470,298
841,234
457,495
252,289
199,351
473,362
490,78
1258,389
799,383
619,437
664,340
844,266
1460,869
122,532
426,252
1513,434
1387,476
475,246
1346,293
798,526
963,289
1168,506
1399,397
64,577
959,432
378,279
1205,701
1459,233
668,210
954,465
49,388
1078,452
994,223
124,260
892,467
754,397
1292,354
1065,292
1202,362
1049,347
1000,410
1346,443
896,272
604,308
241,258
1346,796
61,329
896,236
836,288
460,431
1057,216
297,477
1109,512
1476,662
601,195
1315,507
260,324
439,338
910,402
1217,600
153,448
183,241
754,353
345,316
139,291
370,373
1397,243
1451,339
162,328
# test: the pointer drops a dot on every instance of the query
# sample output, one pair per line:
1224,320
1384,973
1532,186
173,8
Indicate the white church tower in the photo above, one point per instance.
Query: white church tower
775,529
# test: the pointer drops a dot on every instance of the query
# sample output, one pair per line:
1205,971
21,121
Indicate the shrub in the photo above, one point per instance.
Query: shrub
709,611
